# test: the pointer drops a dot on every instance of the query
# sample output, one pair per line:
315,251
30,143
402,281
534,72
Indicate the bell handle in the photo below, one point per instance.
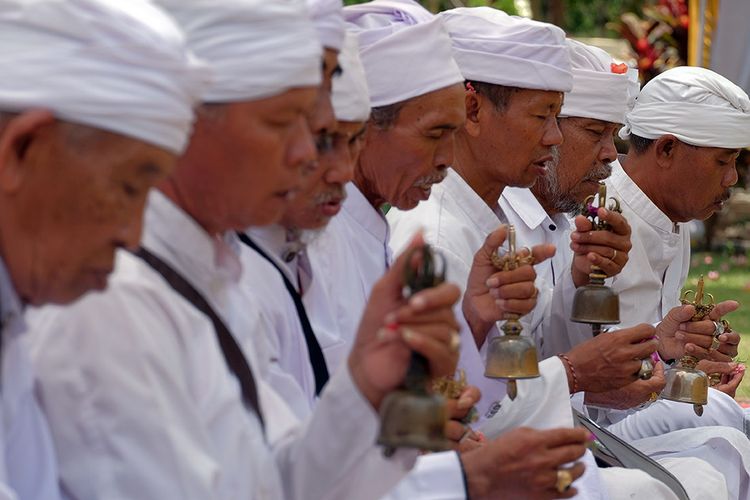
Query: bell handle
418,374
615,205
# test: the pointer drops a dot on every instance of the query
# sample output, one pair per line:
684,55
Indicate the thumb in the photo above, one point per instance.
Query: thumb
722,308
491,244
542,252
675,316
394,276
583,225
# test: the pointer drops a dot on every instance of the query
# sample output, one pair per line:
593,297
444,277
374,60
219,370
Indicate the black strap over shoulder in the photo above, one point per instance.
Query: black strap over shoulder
233,354
318,361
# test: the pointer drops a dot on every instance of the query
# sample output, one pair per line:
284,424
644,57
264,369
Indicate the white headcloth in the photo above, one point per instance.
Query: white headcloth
696,105
492,47
329,22
405,50
601,87
118,66
350,96
255,48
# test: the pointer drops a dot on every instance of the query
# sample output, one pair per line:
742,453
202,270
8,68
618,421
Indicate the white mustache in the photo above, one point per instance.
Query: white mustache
428,180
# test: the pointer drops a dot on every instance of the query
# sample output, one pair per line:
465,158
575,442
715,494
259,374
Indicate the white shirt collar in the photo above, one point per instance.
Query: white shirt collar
637,199
473,206
209,263
371,219
526,206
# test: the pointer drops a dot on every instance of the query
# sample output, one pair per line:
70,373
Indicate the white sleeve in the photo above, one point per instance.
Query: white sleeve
114,387
437,476
334,455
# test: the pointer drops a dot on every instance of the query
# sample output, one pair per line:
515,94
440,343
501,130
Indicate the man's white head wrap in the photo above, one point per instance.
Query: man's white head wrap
255,48
492,47
696,105
405,50
329,22
601,87
118,66
350,96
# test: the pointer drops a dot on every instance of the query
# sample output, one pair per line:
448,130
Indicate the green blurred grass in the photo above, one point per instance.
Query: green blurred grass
732,282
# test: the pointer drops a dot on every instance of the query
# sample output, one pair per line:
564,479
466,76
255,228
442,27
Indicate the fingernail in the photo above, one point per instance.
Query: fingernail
723,338
418,302
408,334
575,236
390,319
492,283
464,402
689,347
500,303
679,336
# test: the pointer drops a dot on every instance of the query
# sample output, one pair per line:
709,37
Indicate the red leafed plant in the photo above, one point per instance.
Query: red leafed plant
658,38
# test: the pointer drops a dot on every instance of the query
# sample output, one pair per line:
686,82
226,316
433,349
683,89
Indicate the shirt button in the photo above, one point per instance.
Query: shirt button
552,227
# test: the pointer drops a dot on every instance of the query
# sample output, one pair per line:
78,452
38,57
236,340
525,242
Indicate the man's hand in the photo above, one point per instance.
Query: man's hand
679,336
456,429
611,360
606,249
523,464
490,294
731,374
393,327
631,395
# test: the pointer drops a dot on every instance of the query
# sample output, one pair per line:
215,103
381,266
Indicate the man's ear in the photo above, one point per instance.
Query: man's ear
16,137
664,148
473,111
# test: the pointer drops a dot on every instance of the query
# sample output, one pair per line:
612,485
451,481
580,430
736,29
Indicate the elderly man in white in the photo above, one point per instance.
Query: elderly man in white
75,167
502,117
160,401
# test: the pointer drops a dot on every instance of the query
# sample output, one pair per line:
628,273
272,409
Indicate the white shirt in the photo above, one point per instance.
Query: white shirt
550,319
28,470
456,221
290,372
142,404
351,254
649,285
347,259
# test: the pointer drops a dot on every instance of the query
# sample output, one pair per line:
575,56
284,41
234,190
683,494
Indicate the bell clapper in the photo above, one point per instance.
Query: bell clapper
412,417
684,382
511,356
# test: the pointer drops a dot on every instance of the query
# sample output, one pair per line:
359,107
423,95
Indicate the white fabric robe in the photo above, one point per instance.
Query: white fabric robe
28,469
436,476
361,239
456,221
142,404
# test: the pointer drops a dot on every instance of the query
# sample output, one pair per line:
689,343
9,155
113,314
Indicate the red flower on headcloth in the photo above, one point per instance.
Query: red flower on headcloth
619,69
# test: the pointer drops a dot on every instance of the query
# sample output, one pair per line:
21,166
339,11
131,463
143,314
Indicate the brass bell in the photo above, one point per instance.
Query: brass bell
511,356
411,417
596,303
685,383
412,420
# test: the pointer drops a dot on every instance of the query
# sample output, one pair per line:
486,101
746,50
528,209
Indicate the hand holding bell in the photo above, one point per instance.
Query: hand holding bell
512,356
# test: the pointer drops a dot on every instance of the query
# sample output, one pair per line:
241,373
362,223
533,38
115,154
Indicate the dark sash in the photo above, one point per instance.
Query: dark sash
233,355
317,360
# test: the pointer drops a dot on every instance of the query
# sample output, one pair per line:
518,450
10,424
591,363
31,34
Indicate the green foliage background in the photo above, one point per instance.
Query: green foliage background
581,17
